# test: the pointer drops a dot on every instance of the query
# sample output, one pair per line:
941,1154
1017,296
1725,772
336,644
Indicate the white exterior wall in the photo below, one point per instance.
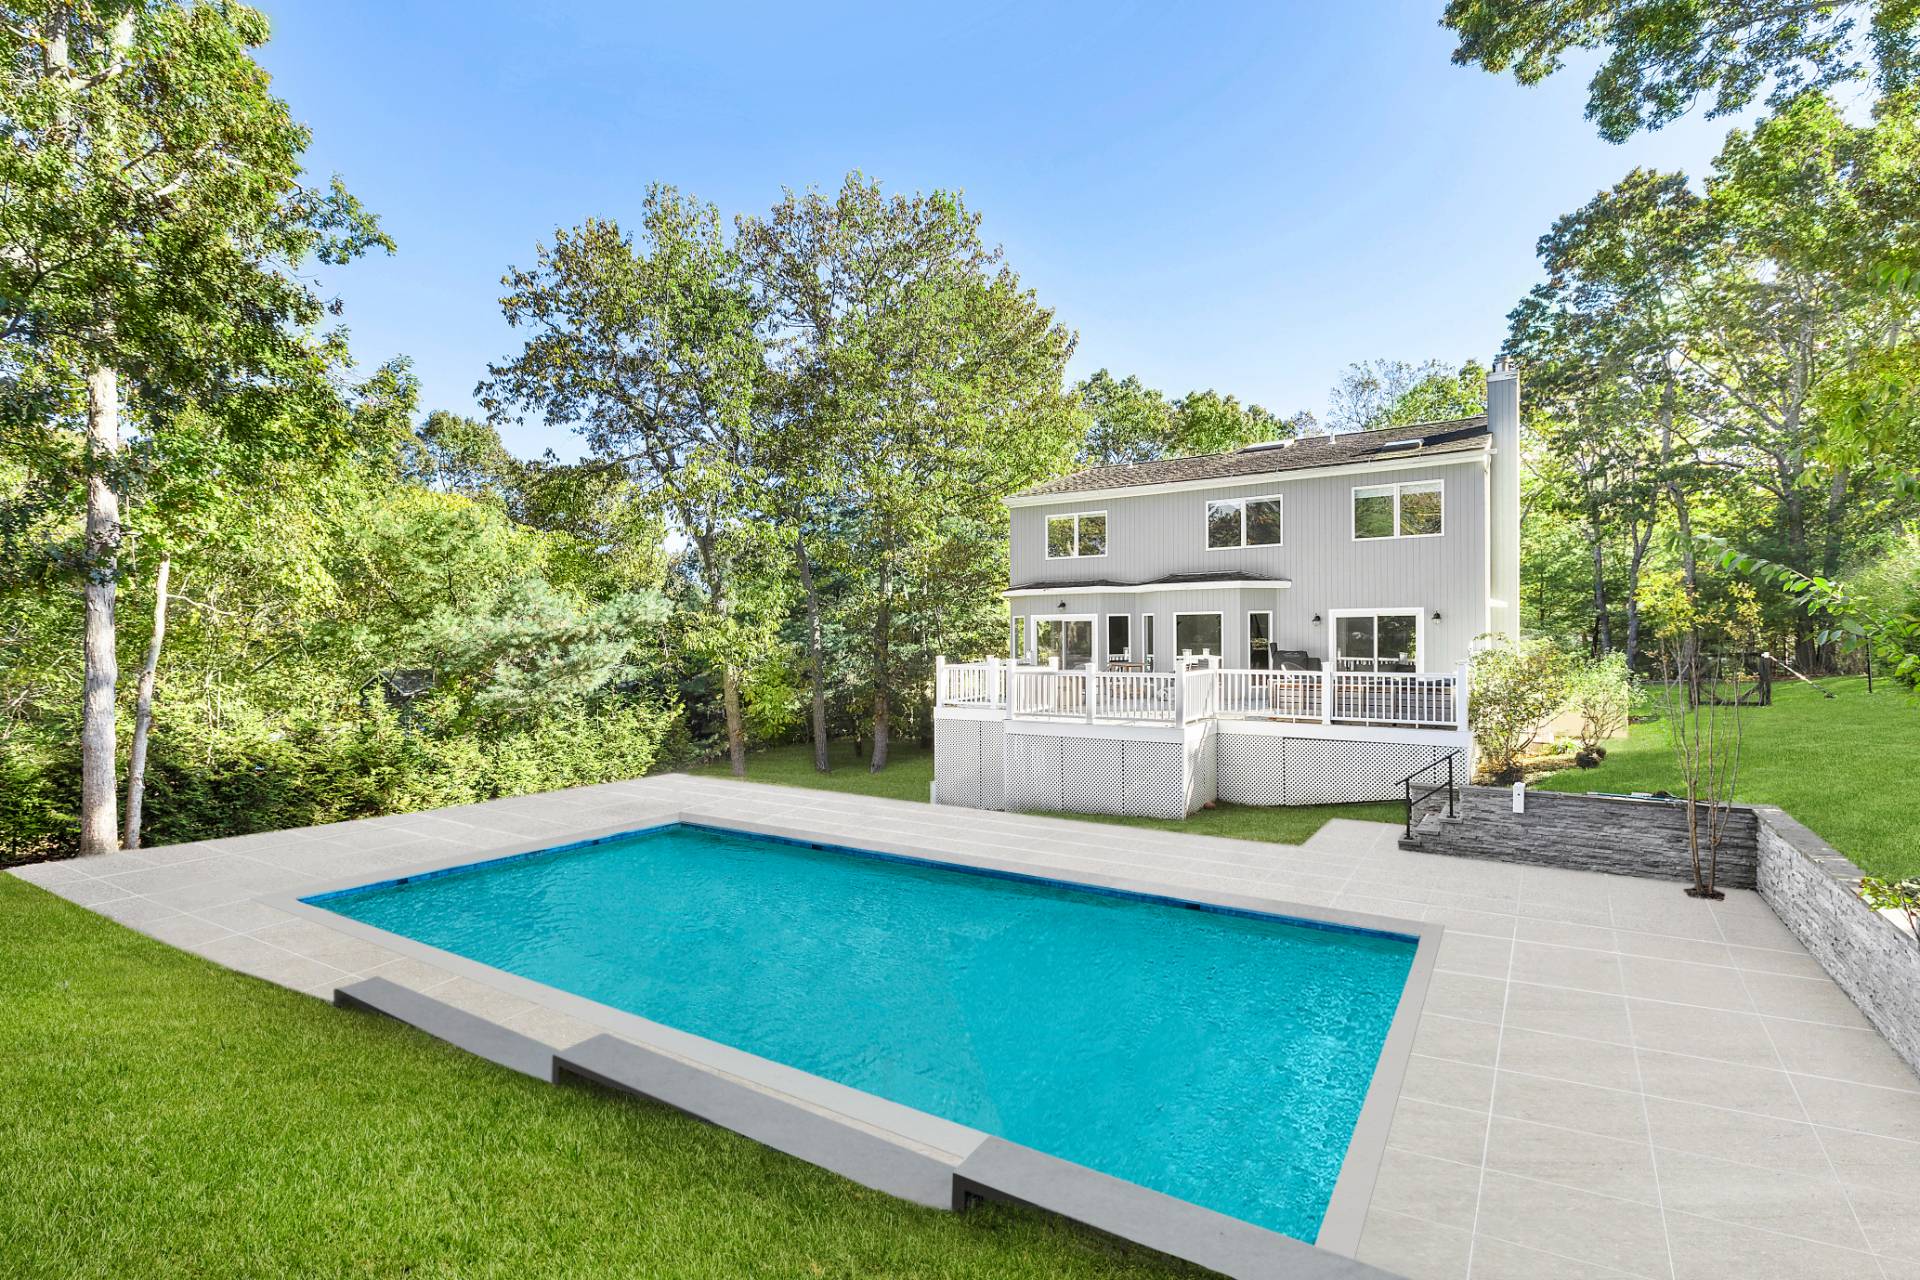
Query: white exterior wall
1153,535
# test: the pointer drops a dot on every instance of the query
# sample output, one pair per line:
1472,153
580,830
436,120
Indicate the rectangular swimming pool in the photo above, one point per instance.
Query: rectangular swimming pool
1218,1056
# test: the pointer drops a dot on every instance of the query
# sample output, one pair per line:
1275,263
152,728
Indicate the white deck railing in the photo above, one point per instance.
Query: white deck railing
1419,700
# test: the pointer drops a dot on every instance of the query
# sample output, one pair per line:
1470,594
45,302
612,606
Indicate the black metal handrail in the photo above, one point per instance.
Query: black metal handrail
1447,786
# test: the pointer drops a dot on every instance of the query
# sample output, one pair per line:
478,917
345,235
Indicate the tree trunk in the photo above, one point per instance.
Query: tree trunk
1602,627
143,707
816,657
98,732
882,673
736,727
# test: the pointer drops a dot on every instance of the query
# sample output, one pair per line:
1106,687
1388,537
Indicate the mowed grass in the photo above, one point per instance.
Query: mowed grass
909,773
1849,767
167,1117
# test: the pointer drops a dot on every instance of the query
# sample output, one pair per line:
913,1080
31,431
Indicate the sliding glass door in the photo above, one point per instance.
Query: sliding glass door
1378,641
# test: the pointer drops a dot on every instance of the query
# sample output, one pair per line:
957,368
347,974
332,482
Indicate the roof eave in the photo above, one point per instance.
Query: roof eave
1396,462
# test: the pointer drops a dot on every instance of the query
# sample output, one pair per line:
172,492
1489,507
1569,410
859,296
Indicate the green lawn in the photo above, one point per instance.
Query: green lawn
910,770
167,1117
1847,767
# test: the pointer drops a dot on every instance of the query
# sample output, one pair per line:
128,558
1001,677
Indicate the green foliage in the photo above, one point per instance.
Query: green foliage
1600,690
1391,393
1515,689
1129,422
1884,894
329,1126
1661,57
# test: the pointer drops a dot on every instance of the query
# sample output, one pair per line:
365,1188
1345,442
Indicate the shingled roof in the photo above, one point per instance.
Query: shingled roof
1459,435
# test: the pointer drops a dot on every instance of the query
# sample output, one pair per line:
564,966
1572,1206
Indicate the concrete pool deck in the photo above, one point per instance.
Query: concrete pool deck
1608,1078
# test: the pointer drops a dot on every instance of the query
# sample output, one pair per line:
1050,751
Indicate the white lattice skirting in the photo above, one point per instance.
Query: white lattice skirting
978,764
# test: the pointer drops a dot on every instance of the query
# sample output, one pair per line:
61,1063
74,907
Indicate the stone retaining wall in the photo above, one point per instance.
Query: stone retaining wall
1816,893
1613,834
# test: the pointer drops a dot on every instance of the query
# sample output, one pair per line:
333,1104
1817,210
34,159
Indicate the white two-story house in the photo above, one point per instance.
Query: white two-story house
1313,600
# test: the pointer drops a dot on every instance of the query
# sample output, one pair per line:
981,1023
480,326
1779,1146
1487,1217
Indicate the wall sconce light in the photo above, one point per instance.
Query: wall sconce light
1436,615
1063,604
1316,619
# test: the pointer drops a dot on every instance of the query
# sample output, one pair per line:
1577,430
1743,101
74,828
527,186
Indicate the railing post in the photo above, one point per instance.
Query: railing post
1179,694
940,680
1326,696
1093,687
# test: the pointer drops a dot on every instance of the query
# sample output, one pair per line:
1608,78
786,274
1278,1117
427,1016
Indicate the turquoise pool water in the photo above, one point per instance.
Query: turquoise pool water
1215,1056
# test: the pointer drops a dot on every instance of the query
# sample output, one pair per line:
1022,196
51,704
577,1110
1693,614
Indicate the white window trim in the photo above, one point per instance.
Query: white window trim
1419,617
1200,613
1268,615
1106,637
1241,502
1033,636
1147,638
1353,522
1046,534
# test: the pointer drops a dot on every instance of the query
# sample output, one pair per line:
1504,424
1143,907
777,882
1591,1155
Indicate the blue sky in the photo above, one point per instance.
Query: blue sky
1243,198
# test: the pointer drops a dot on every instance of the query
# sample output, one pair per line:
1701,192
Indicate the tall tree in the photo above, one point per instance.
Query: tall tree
650,348
1661,57
1603,342
152,228
1386,393
915,360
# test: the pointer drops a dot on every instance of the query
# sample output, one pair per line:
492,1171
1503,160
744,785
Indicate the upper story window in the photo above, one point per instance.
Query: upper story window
1243,522
1410,510
1084,533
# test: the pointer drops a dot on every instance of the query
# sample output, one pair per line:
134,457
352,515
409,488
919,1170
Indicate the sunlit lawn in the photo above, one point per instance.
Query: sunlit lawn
1849,767
168,1117
909,773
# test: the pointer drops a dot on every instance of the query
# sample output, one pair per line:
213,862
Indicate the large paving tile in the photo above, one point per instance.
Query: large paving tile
1474,953
1780,995
1460,1039
1766,1090
1502,1260
1607,1113
1740,1136
1882,1180
1561,934
1583,1161
264,960
1590,1015
1840,1104
1426,1187
1464,995
1812,1206
1433,1129
1593,1062
1702,1033
1714,986
1414,1248
1843,1053
1621,1234
1457,1084
1575,967
1705,1249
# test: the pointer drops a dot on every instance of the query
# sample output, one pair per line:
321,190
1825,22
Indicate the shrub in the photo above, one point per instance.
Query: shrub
1600,690
1515,690
1894,895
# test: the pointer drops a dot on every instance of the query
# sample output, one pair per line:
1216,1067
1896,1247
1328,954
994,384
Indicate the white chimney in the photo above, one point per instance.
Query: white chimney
1503,500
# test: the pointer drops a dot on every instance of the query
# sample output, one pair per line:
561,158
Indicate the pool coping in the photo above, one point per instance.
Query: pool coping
868,1114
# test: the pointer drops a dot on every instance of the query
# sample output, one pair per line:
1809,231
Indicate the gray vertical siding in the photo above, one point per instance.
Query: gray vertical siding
1154,535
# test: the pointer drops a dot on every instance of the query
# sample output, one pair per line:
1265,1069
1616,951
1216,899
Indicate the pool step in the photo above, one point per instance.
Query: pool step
441,1020
1001,1170
832,1144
